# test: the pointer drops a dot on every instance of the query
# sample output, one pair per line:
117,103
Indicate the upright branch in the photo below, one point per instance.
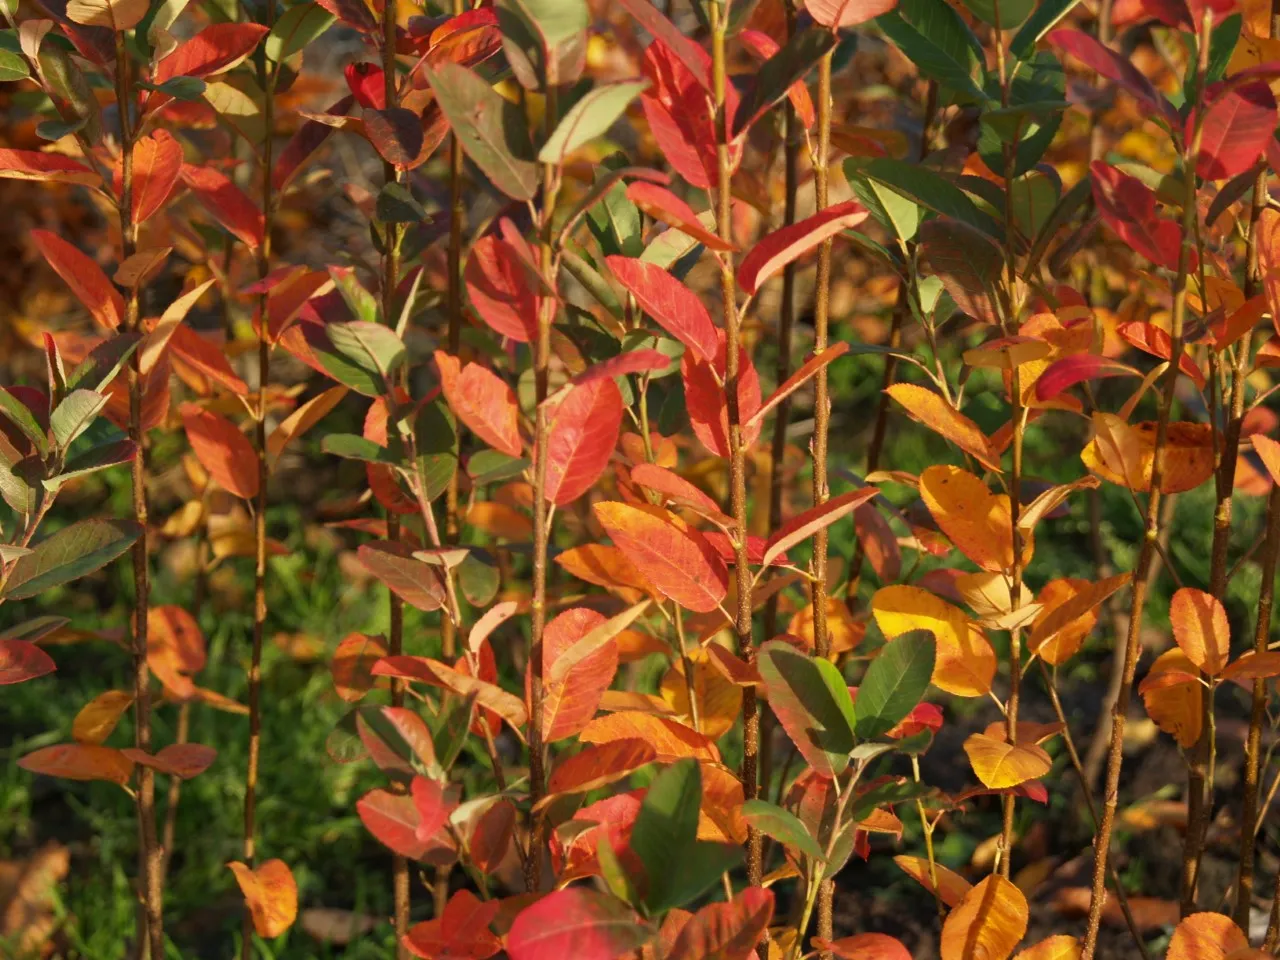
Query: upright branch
822,416
150,853
266,80
1146,553
395,626
737,456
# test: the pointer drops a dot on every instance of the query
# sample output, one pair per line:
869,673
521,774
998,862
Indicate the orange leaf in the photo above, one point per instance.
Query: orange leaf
1124,454
951,886
1206,936
1269,451
865,946
271,894
302,420
965,663
945,420
79,761
353,665
670,740
482,401
581,435
725,930
804,525
1201,629
1061,947
988,923
1000,765
680,562
97,718
570,704
82,274
599,766
1251,666
181,760
488,695
157,162
605,566
223,450
1172,695
976,520
1067,615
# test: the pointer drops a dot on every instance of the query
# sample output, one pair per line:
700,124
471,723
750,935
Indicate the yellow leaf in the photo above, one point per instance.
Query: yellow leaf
976,520
965,662
987,924
1000,765
97,718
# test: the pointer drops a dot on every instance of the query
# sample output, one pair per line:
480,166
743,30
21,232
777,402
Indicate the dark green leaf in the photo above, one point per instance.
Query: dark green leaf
894,683
69,554
1047,16
298,26
589,118
16,411
774,78
930,59
783,825
397,205
925,187
812,702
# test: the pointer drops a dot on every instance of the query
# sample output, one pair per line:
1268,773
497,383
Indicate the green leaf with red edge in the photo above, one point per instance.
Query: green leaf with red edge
581,437
69,554
811,701
483,401
79,761
804,525
725,931
22,660
86,279
413,581
786,245
672,305
678,561
491,129
575,922
460,933
223,450
1235,130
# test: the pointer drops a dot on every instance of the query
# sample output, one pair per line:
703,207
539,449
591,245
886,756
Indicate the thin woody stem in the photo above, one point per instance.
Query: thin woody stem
150,853
266,78
1147,551
737,452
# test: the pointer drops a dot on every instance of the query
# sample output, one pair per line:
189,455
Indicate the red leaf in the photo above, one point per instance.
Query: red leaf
308,138
181,760
482,401
1149,338
764,46
575,922
22,660
1235,130
228,204
1129,207
222,450
215,49
498,285
85,278
461,933
804,525
673,306
432,806
1067,371
726,931
705,399
665,33
396,133
847,13
393,819
204,357
582,435
367,83
794,382
661,204
45,167
672,485
633,361
1111,65
157,162
793,241
677,560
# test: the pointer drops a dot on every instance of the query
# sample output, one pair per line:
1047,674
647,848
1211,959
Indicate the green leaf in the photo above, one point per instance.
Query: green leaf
12,67
892,210
24,420
351,446
893,791
96,458
925,187
69,554
894,683
298,26
397,205
436,433
180,88
1222,44
590,117
783,825
103,362
811,701
370,346
76,411
491,130
1047,16
359,300
479,578
1033,197
1037,98
1007,14
556,20
776,75
490,466
930,59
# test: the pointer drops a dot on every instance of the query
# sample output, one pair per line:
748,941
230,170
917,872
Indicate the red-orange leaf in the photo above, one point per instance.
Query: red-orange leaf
1206,936
271,895
804,525
22,660
661,204
725,931
82,274
677,560
223,450
500,290
598,766
45,167
575,922
79,761
570,704
181,760
460,933
157,163
793,241
482,401
673,306
865,946
393,819
583,432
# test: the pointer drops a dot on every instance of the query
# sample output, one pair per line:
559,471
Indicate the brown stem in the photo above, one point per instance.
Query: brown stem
150,853
266,77
1147,551
175,794
541,512
1257,717
737,451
